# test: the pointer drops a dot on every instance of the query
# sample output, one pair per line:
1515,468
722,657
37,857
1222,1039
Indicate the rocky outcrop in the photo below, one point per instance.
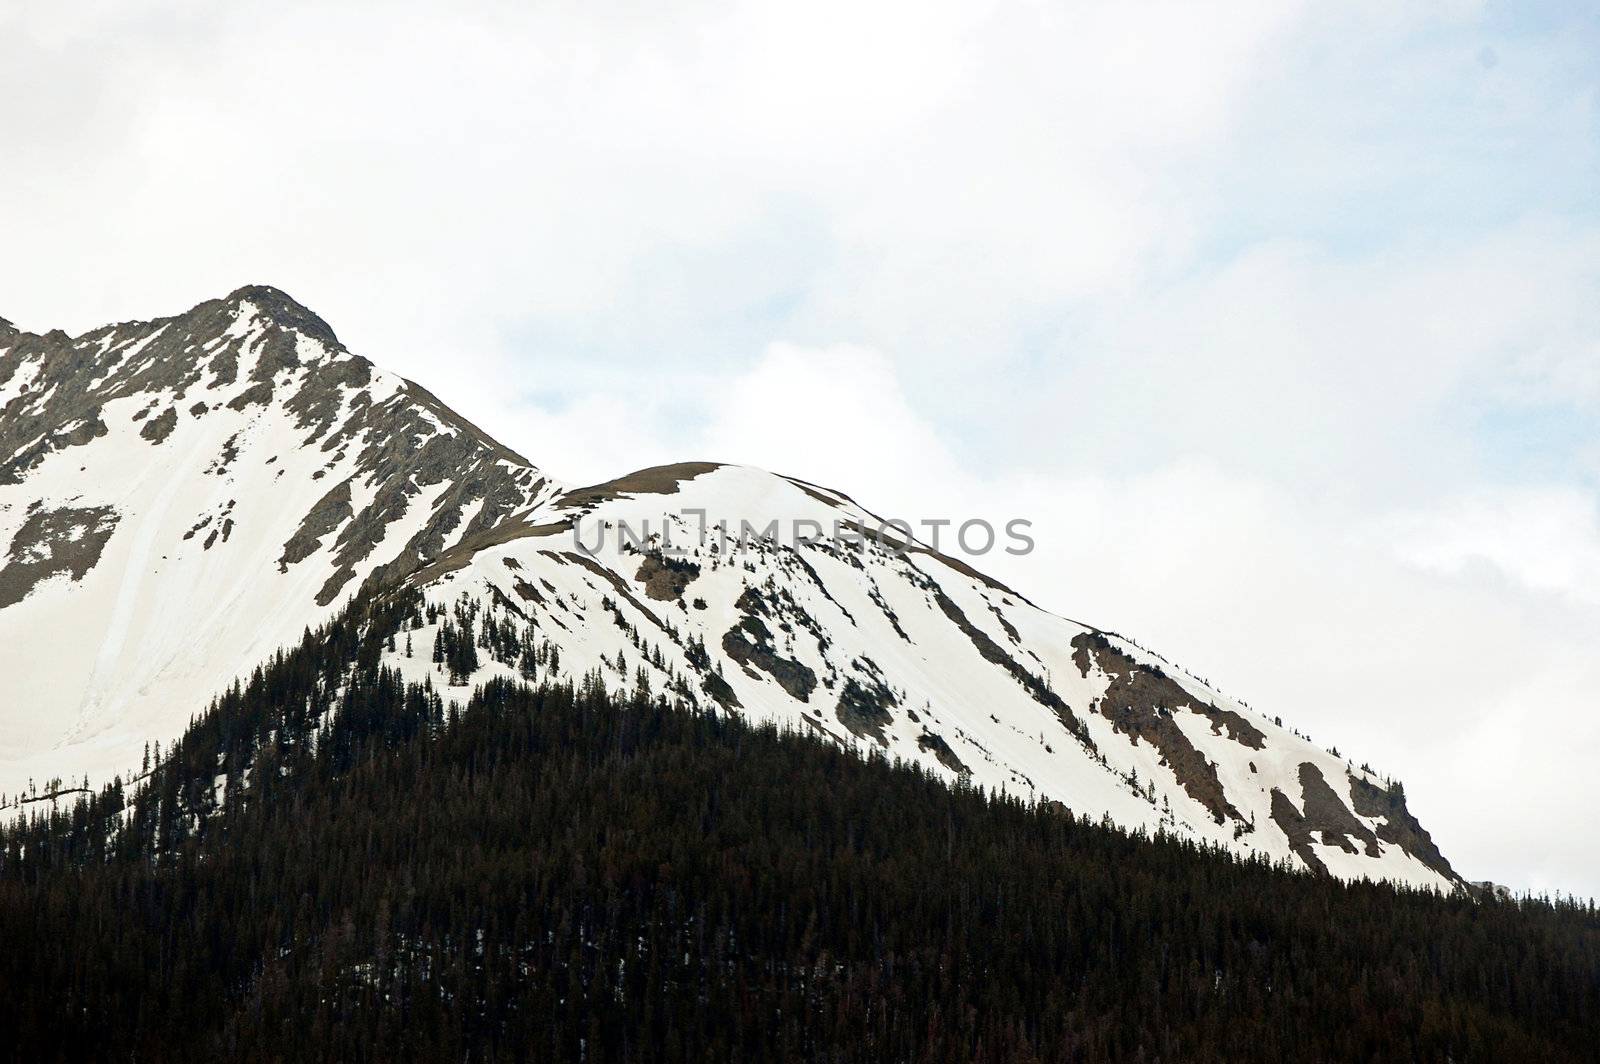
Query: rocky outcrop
1398,826
65,541
750,644
665,578
1140,700
866,704
255,349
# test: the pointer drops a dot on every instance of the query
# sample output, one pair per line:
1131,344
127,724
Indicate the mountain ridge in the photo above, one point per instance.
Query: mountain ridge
179,497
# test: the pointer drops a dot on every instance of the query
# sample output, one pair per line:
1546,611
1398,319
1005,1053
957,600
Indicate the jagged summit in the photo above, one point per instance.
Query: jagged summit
282,309
181,497
269,304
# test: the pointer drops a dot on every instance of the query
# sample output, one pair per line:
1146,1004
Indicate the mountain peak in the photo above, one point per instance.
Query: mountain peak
282,309
192,489
274,305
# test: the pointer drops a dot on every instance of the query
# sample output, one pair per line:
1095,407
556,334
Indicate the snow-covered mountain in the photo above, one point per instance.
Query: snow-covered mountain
181,496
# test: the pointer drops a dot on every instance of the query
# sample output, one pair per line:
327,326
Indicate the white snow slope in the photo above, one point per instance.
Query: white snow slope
316,471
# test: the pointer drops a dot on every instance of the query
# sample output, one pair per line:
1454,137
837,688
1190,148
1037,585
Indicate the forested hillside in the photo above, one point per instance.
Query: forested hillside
333,865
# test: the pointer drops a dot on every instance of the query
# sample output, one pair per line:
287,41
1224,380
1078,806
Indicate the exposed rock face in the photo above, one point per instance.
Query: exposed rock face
66,541
1323,818
1398,825
330,512
1140,701
750,644
665,578
935,745
67,380
866,705
158,428
1326,812
259,349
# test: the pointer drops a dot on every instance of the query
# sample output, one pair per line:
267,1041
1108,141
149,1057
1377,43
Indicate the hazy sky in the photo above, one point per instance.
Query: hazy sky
1280,321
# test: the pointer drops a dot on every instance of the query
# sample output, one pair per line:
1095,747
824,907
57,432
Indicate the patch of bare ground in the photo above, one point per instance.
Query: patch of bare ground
821,587
876,595
826,496
665,578
619,584
1009,628
1324,811
1239,729
330,511
1326,814
934,743
1139,701
458,556
657,480
1296,829
504,601
258,394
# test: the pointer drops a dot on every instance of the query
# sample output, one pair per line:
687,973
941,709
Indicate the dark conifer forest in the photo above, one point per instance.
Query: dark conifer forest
331,865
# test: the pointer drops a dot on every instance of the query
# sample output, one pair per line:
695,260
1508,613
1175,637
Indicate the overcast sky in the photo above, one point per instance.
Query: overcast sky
1280,321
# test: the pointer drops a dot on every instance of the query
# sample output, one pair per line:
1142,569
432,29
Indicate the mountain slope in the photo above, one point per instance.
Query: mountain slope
159,549
889,645
179,497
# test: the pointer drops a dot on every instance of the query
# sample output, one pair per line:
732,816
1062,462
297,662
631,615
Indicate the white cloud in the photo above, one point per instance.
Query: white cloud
832,416
1344,374
1544,540
418,168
